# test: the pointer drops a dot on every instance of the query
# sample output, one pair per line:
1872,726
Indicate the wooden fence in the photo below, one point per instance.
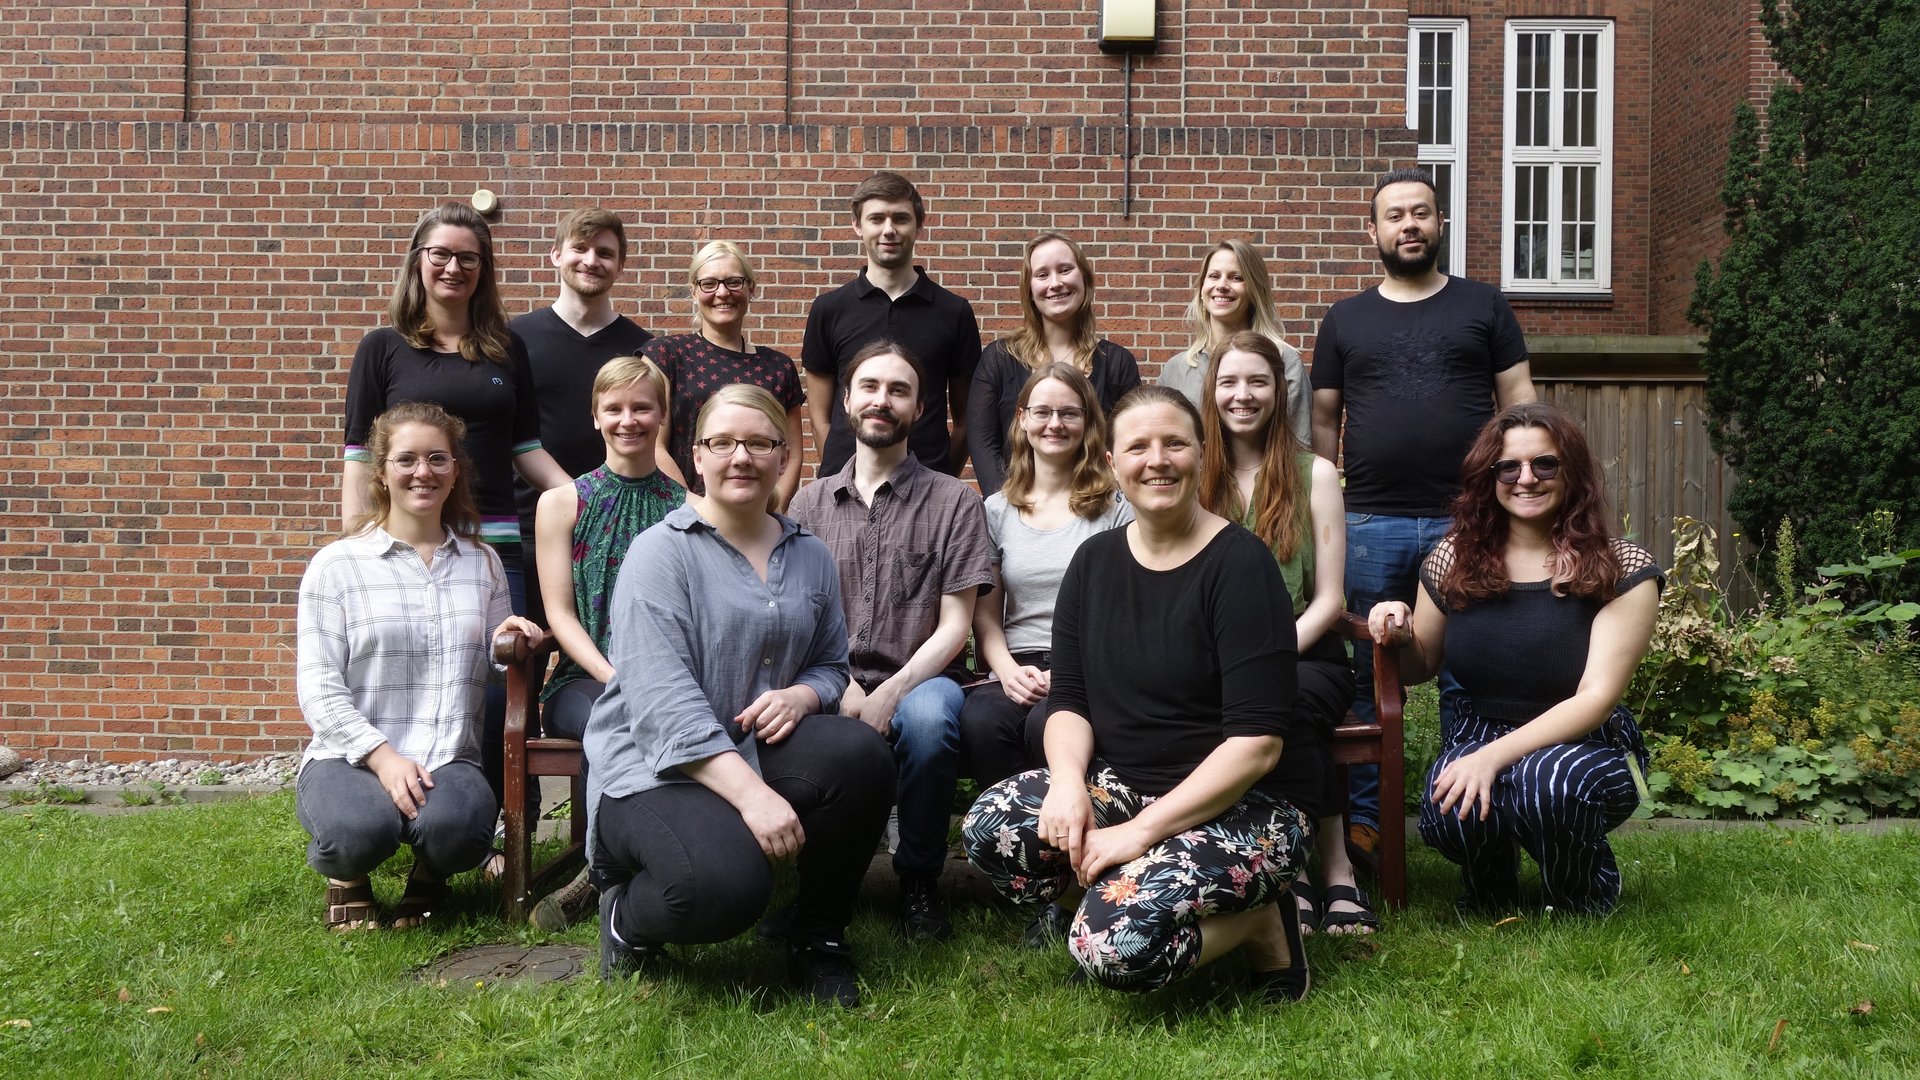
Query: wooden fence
1642,401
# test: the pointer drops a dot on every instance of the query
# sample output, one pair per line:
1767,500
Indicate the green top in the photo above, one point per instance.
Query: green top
1297,572
613,510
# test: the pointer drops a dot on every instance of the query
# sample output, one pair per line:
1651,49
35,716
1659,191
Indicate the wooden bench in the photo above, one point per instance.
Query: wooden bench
1382,743
526,758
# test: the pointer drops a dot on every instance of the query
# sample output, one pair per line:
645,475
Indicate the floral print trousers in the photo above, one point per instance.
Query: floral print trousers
1138,927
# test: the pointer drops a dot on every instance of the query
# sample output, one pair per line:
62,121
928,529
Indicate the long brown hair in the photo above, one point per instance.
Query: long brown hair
486,337
1259,298
1584,563
1280,501
459,513
1092,487
1029,343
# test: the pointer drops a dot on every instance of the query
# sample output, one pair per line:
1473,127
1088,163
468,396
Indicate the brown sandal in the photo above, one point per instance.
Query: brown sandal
351,907
418,904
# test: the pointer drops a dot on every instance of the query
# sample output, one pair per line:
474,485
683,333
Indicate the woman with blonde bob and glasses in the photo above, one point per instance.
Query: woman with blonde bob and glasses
715,749
1542,614
1233,293
1056,327
394,627
1177,767
721,284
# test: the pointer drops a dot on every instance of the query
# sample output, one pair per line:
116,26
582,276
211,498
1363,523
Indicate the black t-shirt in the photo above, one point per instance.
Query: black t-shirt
1519,654
936,325
495,400
1417,383
1167,664
996,397
564,365
696,368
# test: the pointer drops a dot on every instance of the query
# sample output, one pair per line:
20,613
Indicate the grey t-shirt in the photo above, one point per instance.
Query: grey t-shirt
1032,562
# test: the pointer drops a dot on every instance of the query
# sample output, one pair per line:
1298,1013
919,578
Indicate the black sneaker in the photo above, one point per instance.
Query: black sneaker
777,927
922,916
619,960
823,971
1048,928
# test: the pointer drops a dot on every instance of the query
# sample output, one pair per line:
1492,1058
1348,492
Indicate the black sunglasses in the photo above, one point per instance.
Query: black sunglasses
1507,470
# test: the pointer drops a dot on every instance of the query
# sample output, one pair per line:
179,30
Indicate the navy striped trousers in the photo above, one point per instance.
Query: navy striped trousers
1557,803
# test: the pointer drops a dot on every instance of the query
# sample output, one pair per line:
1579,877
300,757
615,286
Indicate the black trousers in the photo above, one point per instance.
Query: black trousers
685,868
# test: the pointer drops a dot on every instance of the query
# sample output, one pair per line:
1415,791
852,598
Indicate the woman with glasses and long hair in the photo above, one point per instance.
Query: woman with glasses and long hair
715,749
1059,492
1233,293
446,342
1542,614
721,284
584,531
394,628
1258,473
1056,327
1177,767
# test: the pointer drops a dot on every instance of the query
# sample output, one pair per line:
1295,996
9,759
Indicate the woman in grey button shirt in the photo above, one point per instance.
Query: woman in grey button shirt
714,750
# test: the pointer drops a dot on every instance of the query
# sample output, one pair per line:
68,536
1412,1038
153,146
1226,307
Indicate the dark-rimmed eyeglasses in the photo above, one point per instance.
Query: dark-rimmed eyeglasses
406,463
1044,414
1507,470
439,256
712,285
724,446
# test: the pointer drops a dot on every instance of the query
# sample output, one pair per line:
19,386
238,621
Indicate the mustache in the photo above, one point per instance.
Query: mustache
880,413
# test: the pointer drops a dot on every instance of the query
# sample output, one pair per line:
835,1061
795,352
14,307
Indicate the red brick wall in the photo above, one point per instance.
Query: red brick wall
178,300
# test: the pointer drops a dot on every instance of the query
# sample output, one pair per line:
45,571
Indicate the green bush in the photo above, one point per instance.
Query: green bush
1806,708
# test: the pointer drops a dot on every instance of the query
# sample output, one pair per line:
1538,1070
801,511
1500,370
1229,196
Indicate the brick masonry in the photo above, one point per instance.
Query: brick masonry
202,208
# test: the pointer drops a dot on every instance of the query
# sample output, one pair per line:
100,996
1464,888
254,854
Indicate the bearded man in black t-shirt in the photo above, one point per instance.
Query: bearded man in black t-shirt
1418,363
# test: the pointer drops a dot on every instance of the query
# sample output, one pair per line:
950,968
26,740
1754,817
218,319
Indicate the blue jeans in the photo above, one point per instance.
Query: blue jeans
1383,563
926,746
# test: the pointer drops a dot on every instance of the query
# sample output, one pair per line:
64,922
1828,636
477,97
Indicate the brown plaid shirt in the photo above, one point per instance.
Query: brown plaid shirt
925,536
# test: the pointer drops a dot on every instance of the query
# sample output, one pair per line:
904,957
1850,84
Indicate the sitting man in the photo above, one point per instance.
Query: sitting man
914,553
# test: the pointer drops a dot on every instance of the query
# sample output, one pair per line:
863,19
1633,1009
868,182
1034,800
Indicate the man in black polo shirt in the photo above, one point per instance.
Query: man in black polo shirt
891,299
566,345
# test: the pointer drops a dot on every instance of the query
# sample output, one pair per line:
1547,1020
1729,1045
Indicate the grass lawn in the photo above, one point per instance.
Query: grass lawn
187,942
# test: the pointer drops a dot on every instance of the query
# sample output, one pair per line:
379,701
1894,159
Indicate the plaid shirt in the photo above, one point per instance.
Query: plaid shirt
924,537
391,650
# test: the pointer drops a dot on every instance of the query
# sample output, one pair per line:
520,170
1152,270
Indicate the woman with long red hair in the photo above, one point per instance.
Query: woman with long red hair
1542,614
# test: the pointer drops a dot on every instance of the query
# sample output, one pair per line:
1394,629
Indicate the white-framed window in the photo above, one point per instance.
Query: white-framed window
1557,199
1437,112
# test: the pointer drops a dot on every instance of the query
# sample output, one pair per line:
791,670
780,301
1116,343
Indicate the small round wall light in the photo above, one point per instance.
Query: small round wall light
485,202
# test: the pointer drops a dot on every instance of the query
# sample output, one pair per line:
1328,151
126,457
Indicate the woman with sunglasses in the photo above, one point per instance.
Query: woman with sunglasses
446,342
721,283
1258,473
1542,614
715,749
1176,763
1059,492
1056,326
393,631
1233,293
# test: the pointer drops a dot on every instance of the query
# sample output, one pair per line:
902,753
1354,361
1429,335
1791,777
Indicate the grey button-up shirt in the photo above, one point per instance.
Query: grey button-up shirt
696,637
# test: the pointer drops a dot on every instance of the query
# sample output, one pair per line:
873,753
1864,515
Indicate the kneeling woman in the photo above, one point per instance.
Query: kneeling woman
713,750
1542,615
393,636
1174,780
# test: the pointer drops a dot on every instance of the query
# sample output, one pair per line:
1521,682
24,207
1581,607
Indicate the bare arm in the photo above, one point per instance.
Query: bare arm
934,654
1214,785
1514,385
538,468
768,816
1422,631
1326,424
553,523
1328,519
1023,685
819,412
789,481
353,490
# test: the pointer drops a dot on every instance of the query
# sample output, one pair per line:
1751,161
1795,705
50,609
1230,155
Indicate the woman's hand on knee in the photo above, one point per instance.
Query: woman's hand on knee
774,824
1466,783
403,778
1107,848
773,715
1066,816
1025,686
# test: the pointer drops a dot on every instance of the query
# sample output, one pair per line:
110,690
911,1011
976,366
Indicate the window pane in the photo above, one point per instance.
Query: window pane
1442,117
1578,229
1443,190
1442,58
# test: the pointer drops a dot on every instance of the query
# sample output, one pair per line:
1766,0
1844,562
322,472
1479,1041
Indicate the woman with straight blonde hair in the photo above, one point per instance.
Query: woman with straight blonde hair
722,285
1056,326
1233,293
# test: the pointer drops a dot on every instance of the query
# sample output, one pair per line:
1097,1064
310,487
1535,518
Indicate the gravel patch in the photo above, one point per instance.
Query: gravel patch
262,773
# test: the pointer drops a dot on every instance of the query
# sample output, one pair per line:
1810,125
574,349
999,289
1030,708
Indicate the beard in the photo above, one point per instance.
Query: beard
587,287
1409,266
878,438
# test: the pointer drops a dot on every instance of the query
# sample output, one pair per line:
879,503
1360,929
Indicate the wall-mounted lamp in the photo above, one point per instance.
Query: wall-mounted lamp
1127,27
